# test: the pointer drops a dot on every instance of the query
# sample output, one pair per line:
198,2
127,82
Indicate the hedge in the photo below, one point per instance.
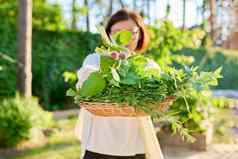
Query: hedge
53,53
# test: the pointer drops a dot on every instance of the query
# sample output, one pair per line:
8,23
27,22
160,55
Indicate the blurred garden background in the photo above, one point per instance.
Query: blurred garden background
43,43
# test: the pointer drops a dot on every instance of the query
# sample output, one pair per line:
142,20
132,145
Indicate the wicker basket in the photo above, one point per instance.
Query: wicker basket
114,109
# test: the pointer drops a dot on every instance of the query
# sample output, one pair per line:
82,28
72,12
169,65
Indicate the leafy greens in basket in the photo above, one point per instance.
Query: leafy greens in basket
135,79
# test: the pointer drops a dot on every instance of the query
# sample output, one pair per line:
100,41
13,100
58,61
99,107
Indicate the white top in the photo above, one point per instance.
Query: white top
107,135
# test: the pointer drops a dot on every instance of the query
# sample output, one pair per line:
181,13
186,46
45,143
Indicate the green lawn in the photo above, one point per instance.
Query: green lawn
62,144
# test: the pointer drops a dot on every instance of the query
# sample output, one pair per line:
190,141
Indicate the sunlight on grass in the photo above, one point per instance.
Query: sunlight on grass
58,151
223,126
62,144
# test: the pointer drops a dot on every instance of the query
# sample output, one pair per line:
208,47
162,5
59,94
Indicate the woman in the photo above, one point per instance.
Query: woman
112,137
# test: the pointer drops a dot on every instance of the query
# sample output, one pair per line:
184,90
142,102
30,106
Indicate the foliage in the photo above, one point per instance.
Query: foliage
17,116
193,106
47,16
166,38
61,144
8,9
44,15
55,52
52,53
209,58
140,81
223,102
123,37
121,77
198,106
8,73
91,87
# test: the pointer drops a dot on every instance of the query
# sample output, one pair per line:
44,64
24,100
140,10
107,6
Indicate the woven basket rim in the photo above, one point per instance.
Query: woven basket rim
120,109
166,100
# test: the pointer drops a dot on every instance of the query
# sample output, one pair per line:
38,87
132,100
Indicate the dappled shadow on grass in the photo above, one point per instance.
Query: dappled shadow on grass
53,151
59,144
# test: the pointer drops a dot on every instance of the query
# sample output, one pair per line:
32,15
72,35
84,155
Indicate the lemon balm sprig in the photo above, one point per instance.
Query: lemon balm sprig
114,46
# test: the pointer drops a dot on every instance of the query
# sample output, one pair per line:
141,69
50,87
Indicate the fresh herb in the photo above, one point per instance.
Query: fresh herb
125,77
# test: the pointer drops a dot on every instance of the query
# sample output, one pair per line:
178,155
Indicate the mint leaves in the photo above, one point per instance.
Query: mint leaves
122,37
115,47
93,85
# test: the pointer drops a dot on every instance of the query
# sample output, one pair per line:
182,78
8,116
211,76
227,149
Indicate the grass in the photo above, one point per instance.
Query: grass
62,144
226,119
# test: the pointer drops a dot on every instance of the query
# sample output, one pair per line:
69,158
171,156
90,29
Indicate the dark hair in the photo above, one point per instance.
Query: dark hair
126,14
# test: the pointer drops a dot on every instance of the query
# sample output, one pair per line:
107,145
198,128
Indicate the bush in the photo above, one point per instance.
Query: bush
166,38
44,15
52,54
210,58
54,51
17,117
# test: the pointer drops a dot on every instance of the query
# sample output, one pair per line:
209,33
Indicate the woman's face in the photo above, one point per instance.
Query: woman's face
131,26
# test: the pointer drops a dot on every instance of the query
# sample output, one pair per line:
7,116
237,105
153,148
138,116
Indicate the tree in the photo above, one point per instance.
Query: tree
87,15
168,10
148,10
204,8
134,4
122,4
110,9
212,7
74,15
184,14
24,74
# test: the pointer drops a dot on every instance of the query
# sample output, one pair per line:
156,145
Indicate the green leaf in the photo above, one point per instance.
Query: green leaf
93,85
217,72
70,92
84,10
124,68
104,36
195,116
99,50
69,76
115,75
106,64
131,78
114,83
122,37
